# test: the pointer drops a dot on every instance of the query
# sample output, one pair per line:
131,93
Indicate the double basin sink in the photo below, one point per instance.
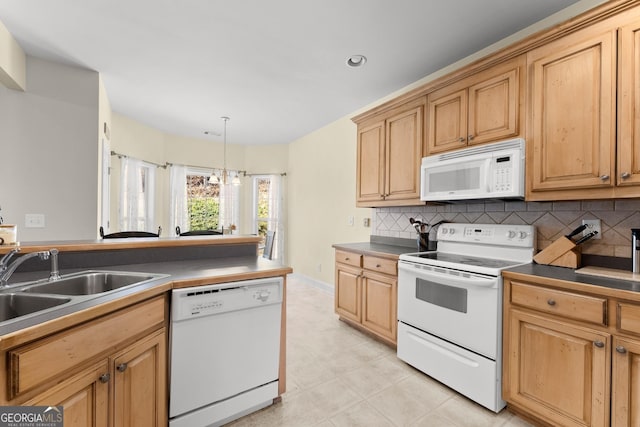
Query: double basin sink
25,299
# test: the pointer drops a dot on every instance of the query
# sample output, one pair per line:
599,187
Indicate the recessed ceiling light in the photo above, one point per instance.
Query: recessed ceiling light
355,61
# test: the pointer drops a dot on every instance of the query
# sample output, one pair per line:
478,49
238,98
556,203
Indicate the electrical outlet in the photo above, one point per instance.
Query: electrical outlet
34,220
592,225
366,222
351,220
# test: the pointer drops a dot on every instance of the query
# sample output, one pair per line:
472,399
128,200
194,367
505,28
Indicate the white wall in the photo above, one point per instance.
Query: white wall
48,147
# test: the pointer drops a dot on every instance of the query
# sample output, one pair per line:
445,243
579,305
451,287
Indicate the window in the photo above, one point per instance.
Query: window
203,202
197,204
137,196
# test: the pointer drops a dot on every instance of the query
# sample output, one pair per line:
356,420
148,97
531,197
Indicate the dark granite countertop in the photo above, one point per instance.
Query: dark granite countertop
386,247
569,275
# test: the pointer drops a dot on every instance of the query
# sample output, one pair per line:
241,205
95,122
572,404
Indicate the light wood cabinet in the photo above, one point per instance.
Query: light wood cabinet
485,107
139,383
583,94
113,372
84,397
558,370
366,294
629,105
571,358
389,157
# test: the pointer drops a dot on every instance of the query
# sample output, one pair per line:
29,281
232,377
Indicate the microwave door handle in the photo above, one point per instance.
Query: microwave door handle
454,280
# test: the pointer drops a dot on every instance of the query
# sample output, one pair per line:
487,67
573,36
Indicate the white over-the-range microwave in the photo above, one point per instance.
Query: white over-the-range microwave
490,171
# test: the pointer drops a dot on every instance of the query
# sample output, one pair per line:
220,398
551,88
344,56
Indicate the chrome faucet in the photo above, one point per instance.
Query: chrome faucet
6,269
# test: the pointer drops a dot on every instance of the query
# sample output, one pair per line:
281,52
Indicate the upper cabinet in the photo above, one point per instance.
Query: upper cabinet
389,157
583,91
484,107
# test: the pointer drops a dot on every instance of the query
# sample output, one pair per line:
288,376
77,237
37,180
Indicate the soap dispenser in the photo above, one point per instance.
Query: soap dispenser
635,250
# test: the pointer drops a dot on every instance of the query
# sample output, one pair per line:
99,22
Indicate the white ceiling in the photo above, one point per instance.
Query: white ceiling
277,68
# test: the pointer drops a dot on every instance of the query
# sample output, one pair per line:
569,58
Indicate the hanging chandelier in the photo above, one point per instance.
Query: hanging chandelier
224,174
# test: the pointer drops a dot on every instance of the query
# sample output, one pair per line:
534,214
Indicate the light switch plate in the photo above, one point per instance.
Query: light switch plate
34,220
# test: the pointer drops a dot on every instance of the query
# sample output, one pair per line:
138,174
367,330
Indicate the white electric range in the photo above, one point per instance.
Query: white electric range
450,306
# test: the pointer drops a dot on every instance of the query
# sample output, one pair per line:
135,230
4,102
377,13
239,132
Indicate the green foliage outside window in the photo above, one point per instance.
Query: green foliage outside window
203,213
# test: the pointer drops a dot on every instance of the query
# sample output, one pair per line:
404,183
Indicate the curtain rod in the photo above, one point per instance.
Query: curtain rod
120,156
169,164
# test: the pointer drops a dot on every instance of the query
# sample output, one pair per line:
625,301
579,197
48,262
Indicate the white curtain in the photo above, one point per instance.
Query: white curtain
229,205
276,211
137,187
178,216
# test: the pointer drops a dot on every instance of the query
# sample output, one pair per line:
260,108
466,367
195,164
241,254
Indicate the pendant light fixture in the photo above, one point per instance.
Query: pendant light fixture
224,178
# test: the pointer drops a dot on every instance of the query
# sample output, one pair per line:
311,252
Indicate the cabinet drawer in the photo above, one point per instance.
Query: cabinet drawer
349,258
381,265
36,363
562,303
629,317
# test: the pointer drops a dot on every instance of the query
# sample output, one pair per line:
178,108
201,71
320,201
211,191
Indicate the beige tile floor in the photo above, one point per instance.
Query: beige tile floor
337,376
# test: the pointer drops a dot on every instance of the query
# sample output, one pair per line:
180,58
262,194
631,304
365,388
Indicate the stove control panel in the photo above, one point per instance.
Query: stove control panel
493,234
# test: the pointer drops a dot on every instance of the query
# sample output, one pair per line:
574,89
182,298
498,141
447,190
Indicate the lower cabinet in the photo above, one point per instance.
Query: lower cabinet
571,358
111,371
366,289
84,396
558,370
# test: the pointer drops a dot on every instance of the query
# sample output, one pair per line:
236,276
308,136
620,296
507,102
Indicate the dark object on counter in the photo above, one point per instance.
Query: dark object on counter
268,244
580,229
425,244
127,234
197,232
635,250
586,237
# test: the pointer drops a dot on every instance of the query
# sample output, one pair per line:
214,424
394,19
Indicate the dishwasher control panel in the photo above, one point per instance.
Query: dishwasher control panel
207,300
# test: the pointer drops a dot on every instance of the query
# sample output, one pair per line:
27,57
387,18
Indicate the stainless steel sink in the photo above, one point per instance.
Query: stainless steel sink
89,283
16,305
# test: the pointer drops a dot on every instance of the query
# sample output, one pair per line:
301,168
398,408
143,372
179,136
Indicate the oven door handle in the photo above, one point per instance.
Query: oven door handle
451,279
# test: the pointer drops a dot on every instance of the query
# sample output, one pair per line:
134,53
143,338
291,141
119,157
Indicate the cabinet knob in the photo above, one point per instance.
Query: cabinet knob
378,266
121,367
104,378
470,137
604,177
461,139
347,258
598,344
620,349
625,175
551,302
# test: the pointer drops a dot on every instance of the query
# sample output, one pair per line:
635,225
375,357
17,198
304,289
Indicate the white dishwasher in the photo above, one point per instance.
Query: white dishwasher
225,351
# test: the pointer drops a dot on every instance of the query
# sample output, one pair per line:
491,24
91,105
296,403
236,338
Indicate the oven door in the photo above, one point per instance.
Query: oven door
459,307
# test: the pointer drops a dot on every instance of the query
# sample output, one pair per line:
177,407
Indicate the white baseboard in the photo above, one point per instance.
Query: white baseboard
314,282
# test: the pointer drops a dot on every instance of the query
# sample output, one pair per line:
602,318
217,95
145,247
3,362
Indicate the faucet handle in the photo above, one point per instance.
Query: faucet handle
5,259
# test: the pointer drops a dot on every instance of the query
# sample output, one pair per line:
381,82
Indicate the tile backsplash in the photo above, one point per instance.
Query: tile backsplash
551,219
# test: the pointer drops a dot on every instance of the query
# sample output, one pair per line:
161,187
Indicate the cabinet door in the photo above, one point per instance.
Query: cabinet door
404,154
139,383
379,302
629,106
84,397
494,108
572,95
558,371
348,292
447,123
371,163
625,403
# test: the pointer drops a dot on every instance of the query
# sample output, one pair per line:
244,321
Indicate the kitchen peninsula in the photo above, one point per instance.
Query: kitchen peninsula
108,354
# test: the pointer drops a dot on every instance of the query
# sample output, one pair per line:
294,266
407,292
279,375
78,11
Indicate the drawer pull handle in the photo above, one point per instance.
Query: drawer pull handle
598,344
346,259
604,177
461,139
625,175
378,266
121,367
551,302
104,378
620,349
